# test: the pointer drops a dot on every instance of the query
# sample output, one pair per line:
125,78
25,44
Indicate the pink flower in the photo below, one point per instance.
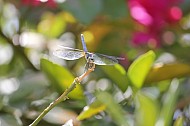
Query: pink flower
155,12
155,15
49,3
142,39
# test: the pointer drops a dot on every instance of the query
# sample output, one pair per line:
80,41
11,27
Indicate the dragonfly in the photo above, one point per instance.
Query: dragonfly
68,53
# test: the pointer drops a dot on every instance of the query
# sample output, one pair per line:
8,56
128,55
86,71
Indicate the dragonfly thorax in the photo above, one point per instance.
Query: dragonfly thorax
90,61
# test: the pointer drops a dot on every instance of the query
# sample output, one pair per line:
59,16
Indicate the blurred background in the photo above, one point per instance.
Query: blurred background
31,77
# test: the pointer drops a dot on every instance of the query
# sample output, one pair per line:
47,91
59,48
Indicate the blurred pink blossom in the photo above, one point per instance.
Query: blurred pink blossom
155,15
142,38
49,3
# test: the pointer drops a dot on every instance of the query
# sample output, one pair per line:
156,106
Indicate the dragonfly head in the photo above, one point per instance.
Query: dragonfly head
89,57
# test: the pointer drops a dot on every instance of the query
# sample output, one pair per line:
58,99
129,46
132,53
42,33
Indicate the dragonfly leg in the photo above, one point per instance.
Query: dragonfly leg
80,78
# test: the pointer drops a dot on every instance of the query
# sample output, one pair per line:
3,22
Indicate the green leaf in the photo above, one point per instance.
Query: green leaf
120,8
112,108
61,78
8,119
169,104
139,69
30,85
179,121
147,110
118,74
52,25
179,51
91,110
4,69
84,10
167,71
184,6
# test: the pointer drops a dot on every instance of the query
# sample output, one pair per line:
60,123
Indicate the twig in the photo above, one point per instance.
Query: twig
63,97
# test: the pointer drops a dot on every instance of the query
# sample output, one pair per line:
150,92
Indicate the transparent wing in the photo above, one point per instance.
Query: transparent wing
68,53
101,59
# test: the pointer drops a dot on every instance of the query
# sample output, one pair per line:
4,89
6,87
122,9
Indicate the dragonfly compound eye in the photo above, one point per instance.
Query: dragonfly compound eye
91,59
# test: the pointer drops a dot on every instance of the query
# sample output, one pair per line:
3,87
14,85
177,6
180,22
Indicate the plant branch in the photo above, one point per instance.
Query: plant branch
63,97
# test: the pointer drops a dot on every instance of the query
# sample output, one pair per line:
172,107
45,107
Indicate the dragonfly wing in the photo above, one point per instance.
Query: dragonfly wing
68,53
101,59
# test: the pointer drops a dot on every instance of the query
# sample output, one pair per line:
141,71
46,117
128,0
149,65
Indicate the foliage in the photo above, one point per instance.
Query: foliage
149,88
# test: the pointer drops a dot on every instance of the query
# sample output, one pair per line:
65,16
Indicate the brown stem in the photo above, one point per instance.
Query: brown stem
63,97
